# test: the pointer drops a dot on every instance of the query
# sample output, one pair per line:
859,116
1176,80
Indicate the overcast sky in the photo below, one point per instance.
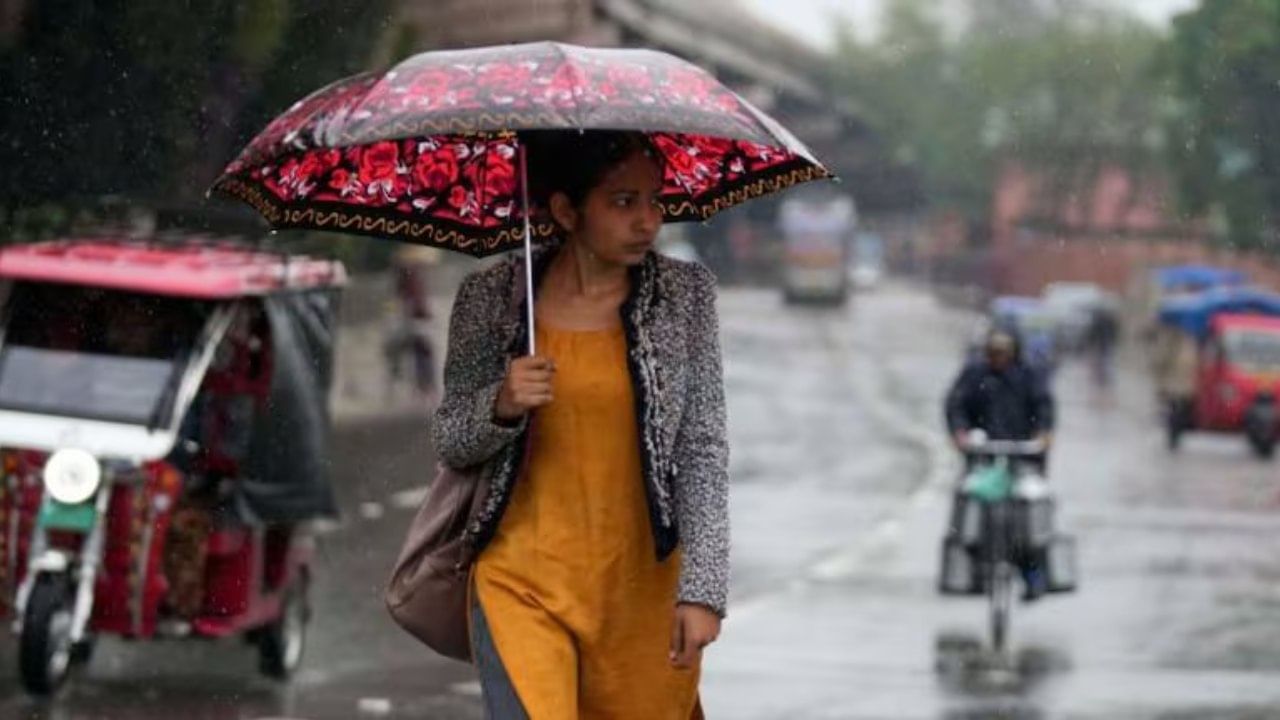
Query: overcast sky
810,19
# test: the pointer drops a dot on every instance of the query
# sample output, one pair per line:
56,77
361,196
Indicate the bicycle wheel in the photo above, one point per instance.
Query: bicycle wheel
1000,586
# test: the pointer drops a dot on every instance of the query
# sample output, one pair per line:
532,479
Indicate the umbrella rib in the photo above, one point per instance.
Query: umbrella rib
567,62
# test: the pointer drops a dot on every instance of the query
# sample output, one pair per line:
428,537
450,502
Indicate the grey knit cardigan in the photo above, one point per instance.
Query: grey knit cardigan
673,345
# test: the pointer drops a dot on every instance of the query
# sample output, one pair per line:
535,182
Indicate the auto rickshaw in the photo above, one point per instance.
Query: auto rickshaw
1232,385
163,438
1151,288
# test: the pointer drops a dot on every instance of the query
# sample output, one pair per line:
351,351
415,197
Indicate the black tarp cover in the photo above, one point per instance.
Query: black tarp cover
288,463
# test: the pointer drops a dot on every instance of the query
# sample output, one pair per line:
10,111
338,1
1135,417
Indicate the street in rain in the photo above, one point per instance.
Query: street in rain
1001,393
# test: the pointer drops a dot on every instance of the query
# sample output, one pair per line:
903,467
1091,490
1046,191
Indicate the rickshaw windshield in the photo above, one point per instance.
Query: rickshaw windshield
93,353
1253,350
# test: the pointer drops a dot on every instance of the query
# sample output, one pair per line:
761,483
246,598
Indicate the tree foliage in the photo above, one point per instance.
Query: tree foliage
147,99
1062,86
1225,61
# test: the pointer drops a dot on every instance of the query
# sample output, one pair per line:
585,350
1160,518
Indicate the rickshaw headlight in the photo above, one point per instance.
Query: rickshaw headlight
72,476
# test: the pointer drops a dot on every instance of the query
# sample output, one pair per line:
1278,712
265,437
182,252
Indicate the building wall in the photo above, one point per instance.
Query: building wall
466,23
1106,234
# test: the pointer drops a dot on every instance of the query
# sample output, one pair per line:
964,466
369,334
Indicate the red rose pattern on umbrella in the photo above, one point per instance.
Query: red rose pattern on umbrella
425,151
473,180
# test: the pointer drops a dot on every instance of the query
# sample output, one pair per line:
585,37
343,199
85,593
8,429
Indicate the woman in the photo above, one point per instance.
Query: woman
604,535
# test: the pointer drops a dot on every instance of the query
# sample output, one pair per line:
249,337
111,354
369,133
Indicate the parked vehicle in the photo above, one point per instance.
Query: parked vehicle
1232,387
817,232
163,439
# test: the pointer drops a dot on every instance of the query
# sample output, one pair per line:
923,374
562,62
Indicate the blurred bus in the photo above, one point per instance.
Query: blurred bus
816,231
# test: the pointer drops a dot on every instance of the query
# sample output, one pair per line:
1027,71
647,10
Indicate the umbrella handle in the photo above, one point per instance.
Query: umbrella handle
528,248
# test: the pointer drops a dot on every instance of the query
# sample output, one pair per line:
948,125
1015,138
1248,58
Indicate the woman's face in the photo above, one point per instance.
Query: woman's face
620,218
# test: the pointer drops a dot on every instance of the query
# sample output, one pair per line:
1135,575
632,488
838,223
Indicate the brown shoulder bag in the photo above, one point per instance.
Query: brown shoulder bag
428,592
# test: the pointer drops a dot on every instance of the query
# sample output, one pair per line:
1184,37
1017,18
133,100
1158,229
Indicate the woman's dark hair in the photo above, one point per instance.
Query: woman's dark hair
573,163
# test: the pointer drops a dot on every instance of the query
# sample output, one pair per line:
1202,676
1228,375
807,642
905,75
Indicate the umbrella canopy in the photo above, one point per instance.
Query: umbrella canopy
1013,305
428,151
1194,314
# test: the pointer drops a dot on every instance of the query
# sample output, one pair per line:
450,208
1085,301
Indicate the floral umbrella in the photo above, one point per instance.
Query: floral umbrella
428,151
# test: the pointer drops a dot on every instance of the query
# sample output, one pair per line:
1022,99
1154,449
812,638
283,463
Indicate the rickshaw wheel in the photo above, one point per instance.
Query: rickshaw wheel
283,643
1264,449
45,650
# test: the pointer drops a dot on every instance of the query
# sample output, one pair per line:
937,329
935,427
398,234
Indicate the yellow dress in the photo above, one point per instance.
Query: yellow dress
579,608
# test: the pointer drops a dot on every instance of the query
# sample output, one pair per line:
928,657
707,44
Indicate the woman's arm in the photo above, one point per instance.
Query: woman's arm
702,455
464,431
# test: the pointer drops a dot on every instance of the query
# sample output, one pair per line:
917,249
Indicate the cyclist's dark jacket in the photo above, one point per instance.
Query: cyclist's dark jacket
1010,404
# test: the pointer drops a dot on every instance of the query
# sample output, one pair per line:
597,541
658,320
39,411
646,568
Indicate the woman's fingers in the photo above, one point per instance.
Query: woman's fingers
686,644
528,386
689,653
677,640
693,629
532,376
532,364
537,400
529,382
530,370
532,394
533,386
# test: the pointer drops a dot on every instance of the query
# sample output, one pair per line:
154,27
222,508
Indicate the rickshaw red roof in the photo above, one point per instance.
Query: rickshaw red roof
1269,323
187,270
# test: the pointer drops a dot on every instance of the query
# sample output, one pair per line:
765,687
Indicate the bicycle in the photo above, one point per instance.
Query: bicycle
1004,532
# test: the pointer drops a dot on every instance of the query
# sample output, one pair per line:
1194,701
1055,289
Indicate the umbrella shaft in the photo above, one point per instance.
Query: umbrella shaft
528,248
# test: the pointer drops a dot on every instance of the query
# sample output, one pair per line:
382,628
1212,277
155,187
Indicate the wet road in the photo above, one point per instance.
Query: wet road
840,490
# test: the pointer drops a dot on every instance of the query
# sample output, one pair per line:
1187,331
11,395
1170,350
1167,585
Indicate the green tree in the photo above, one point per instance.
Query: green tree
1225,61
1061,87
147,99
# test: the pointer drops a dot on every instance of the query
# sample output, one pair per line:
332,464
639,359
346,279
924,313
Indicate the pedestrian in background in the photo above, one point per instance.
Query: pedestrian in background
408,333
1101,339
604,539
